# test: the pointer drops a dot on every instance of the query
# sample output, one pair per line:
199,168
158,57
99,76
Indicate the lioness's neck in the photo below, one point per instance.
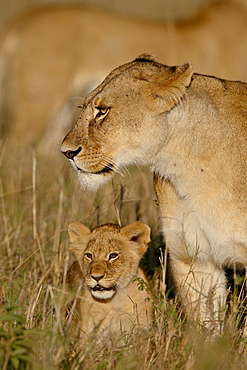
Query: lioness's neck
188,135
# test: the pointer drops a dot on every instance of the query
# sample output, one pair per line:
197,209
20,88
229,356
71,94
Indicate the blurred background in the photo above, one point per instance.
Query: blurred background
53,52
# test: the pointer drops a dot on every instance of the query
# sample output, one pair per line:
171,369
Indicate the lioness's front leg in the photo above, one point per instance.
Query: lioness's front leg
200,284
201,289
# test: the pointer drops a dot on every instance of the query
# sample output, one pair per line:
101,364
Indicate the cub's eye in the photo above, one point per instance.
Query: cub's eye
89,256
101,112
113,256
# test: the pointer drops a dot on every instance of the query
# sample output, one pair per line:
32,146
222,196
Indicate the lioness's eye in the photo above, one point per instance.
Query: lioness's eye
88,256
101,112
113,256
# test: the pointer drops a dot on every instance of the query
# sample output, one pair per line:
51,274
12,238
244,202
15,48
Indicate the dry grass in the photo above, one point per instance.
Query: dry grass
39,197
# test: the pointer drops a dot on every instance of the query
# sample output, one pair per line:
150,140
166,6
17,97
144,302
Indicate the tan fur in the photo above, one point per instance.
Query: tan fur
109,257
191,130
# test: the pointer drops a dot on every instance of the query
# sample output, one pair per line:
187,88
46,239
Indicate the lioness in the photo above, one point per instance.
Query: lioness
106,267
191,130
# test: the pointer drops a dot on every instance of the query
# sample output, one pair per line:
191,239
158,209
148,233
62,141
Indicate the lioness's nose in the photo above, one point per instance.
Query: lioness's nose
72,153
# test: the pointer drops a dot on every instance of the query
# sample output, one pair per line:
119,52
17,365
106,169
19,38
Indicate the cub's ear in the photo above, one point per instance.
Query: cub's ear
137,232
78,236
165,89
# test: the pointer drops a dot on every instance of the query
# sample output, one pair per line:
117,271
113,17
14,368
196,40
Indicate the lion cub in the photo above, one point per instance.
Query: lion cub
105,272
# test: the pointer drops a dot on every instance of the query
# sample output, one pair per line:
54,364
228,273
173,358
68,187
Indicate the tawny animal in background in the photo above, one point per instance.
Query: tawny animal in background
51,54
191,130
107,272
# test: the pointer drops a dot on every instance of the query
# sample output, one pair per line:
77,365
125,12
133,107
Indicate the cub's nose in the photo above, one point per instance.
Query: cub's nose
97,277
71,154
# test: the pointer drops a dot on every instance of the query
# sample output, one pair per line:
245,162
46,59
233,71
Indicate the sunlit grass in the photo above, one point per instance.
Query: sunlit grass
39,197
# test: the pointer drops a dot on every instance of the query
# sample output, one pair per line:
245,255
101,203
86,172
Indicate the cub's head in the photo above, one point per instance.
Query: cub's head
123,121
108,256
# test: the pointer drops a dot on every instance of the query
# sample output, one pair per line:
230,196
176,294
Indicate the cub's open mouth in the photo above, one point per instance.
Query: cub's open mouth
100,288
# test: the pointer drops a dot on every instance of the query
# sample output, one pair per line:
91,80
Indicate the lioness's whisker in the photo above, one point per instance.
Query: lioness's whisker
110,163
126,171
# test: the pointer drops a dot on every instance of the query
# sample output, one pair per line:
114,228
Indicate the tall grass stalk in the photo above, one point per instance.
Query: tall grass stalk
39,198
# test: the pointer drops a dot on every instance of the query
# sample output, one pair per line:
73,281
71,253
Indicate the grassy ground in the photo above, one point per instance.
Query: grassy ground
39,197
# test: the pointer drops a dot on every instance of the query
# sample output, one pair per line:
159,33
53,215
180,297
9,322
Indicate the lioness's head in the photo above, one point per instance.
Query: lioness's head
108,256
120,123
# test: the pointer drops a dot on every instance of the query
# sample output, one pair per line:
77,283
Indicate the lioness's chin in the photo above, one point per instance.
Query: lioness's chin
103,294
92,181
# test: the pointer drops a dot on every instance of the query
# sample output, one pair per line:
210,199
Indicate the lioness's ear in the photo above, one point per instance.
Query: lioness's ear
166,92
78,236
137,232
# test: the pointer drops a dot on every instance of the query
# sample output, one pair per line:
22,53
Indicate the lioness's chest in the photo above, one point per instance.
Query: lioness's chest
201,221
